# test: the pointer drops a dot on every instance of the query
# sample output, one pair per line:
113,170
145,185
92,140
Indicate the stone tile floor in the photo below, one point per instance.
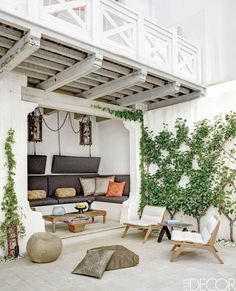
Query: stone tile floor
154,272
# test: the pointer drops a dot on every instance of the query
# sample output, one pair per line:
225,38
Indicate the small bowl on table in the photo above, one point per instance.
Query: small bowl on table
81,209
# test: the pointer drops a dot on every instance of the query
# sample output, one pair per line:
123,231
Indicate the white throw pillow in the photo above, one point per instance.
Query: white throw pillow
88,185
102,185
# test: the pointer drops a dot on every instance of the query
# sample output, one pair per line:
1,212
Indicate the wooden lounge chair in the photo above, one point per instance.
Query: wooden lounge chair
151,219
204,240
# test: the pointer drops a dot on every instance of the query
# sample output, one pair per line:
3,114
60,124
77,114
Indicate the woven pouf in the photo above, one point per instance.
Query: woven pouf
43,247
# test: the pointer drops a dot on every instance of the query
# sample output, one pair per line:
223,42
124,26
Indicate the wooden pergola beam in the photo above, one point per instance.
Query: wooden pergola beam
76,71
175,100
159,92
20,51
116,85
63,102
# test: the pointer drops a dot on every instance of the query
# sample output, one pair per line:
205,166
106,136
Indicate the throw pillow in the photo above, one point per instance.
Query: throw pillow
122,257
102,185
94,263
88,185
36,194
65,192
115,189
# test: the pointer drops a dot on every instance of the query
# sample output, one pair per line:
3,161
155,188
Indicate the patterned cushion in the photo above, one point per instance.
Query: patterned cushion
102,185
94,263
122,257
115,189
88,185
36,194
65,192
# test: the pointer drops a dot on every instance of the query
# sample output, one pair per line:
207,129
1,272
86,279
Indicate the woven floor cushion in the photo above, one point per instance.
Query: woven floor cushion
94,263
121,258
43,247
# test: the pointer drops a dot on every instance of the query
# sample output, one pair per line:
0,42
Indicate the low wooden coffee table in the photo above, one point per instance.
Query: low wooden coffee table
79,225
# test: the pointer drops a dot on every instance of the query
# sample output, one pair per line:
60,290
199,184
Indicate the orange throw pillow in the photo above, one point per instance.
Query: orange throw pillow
115,189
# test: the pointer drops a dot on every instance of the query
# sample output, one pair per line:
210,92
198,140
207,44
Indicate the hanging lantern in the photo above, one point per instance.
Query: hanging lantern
12,241
85,131
34,127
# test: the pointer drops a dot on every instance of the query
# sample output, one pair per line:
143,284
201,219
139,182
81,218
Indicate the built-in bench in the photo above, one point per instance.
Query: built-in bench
49,183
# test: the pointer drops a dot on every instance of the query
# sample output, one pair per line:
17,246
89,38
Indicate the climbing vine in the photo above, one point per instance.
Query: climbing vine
188,171
9,204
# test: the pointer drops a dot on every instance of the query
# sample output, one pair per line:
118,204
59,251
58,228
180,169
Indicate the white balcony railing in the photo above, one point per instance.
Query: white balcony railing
115,28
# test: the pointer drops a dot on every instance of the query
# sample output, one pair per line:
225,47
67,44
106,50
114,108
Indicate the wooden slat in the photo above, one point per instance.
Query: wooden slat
148,95
21,50
116,85
175,100
78,70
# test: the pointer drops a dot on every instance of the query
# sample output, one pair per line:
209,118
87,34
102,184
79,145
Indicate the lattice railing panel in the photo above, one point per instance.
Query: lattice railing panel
71,11
118,29
158,46
187,59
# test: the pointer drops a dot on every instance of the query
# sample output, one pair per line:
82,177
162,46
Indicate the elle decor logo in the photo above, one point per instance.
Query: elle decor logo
209,284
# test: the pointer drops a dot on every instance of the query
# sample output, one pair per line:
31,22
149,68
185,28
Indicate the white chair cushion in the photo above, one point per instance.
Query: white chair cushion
139,222
187,236
208,229
154,214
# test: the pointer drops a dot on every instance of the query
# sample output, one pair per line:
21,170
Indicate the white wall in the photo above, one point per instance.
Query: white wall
113,141
70,142
142,7
210,23
219,99
14,115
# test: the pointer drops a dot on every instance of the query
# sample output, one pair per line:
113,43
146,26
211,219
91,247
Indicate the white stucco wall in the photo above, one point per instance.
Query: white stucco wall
219,99
209,23
14,115
113,139
70,142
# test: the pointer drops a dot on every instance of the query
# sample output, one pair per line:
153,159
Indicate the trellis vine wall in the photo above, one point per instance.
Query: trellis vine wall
193,169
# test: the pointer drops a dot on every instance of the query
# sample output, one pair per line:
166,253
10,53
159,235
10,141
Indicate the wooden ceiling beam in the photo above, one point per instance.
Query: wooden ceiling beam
175,100
78,70
20,51
149,95
68,103
116,85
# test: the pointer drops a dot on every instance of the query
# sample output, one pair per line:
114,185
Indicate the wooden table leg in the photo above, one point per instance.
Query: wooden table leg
104,219
53,225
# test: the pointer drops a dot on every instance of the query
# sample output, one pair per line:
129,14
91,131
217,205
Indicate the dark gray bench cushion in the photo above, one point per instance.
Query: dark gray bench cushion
38,183
75,199
43,202
51,182
36,164
72,164
104,198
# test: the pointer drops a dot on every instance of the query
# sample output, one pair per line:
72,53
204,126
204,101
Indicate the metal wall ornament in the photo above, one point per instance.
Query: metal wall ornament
34,127
85,131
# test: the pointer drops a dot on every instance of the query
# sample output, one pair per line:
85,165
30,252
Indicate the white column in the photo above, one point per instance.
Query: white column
14,115
130,207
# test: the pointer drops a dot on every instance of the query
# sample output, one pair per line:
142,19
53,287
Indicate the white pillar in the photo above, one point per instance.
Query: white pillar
14,115
130,207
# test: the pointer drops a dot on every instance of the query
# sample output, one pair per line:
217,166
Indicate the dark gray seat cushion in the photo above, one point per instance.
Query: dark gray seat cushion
104,198
75,199
121,258
43,202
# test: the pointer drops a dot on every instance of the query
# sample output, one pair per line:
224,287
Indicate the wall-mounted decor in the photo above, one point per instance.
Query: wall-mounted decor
34,127
86,131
